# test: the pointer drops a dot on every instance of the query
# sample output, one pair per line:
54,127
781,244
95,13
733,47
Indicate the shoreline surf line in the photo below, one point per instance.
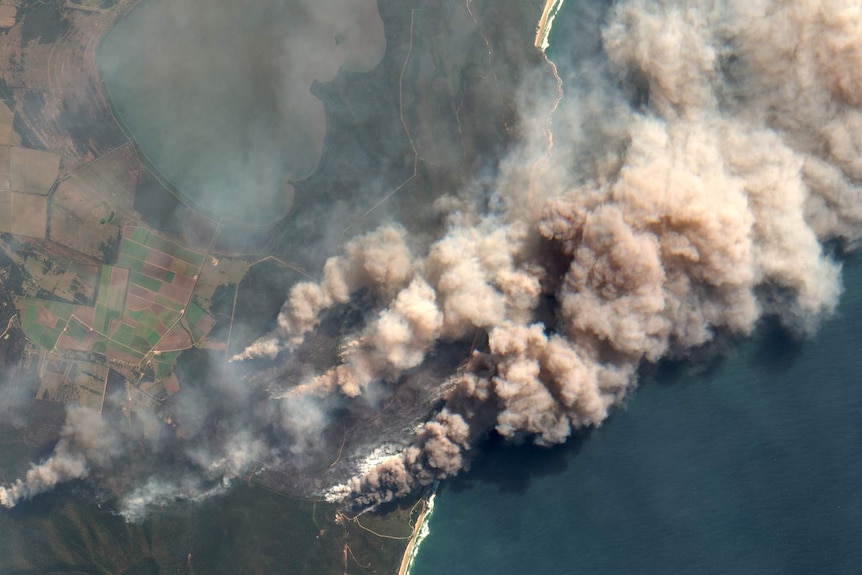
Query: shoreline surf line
546,22
420,531
542,43
543,32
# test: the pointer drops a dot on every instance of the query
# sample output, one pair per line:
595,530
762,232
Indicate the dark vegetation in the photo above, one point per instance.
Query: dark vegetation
159,207
261,293
32,104
87,126
221,308
43,21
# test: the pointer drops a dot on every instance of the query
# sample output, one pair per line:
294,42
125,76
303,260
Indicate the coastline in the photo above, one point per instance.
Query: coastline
263,226
420,531
546,22
541,42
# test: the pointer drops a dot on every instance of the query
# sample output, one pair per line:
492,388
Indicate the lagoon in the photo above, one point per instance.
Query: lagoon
217,94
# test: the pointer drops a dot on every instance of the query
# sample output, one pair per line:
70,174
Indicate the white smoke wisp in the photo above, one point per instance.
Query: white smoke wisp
83,439
159,493
730,156
697,202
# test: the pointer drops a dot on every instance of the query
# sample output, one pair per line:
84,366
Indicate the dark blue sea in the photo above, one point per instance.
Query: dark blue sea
750,465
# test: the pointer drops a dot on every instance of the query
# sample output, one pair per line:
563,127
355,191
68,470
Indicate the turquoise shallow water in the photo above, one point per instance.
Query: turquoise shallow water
753,467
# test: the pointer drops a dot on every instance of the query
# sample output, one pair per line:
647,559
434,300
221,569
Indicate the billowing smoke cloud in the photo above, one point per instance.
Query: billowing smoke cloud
703,154
84,440
380,260
728,154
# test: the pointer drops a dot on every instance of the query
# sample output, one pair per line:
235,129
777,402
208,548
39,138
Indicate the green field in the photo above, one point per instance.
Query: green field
164,363
77,330
146,282
198,321
109,301
127,261
43,335
169,303
168,316
123,334
151,336
138,338
133,249
145,237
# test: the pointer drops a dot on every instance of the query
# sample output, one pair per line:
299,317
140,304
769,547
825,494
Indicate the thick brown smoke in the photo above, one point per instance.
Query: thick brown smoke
739,158
701,160
380,260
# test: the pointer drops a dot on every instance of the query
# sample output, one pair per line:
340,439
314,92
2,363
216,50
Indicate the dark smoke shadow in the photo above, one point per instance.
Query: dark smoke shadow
404,504
701,364
512,467
843,251
776,348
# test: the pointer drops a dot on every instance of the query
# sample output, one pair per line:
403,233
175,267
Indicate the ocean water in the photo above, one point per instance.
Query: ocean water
752,465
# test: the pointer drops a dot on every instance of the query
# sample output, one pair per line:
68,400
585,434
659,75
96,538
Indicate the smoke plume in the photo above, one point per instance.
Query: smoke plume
699,204
703,154
380,260
84,440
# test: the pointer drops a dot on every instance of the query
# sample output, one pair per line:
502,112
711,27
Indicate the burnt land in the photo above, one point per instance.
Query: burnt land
109,278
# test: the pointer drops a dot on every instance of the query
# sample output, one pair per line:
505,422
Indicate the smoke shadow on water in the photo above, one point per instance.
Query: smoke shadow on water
747,468
670,372
512,468
776,348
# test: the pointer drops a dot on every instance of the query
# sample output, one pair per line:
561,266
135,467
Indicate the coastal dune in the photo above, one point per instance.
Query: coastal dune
546,21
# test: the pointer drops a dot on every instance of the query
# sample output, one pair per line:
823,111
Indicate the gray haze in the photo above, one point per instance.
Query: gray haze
217,93
708,152
85,440
703,154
